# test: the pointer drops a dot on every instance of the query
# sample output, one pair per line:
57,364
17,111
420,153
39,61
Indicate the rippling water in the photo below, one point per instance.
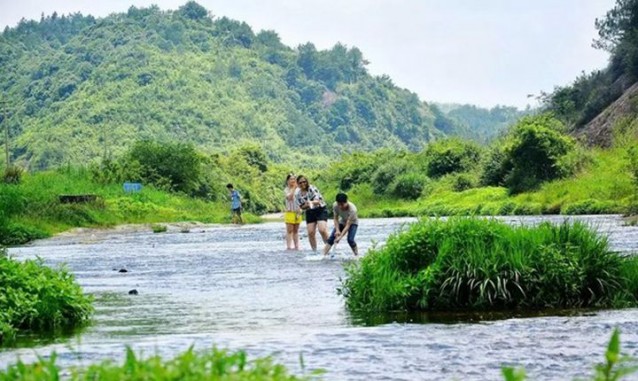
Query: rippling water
235,287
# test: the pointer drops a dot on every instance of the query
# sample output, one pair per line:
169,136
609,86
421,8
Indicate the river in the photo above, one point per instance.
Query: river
235,287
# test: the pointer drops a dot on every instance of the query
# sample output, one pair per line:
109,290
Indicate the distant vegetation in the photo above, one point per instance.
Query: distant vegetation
475,123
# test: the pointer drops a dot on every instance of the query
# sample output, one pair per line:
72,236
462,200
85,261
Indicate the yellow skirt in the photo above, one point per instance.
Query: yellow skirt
292,218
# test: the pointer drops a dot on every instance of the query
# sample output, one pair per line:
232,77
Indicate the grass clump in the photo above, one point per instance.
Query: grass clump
211,365
484,264
37,298
158,228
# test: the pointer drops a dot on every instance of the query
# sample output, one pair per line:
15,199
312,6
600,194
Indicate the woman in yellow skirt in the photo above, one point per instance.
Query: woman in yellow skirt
292,213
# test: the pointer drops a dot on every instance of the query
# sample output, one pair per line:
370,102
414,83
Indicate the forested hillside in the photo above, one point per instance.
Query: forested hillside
579,104
81,89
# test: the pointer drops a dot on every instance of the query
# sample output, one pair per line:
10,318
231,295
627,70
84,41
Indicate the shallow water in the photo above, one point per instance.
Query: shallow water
236,288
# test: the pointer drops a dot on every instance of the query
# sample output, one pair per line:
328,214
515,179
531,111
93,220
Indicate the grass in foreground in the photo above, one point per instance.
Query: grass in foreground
212,365
36,298
474,264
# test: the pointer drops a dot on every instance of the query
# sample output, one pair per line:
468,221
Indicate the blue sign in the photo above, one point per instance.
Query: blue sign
132,187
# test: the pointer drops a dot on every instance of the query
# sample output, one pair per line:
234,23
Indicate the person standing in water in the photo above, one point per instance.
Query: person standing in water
346,223
235,205
311,201
292,213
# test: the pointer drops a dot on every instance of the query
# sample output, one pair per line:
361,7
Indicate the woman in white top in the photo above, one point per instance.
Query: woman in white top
292,213
311,201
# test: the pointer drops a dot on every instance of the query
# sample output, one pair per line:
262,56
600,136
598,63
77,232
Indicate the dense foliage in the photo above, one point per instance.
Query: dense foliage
591,93
39,299
81,88
215,364
481,264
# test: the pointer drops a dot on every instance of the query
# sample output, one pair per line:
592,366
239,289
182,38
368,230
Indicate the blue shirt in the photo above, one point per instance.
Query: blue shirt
235,201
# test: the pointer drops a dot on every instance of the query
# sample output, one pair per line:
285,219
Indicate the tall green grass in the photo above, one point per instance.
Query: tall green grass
484,264
215,364
37,298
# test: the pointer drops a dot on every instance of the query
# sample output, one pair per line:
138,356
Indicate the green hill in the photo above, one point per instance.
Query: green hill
79,89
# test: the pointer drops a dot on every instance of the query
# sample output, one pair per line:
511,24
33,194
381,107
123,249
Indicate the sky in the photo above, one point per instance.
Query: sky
483,52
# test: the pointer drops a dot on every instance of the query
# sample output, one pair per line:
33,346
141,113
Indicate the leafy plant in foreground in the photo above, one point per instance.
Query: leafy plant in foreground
215,364
38,298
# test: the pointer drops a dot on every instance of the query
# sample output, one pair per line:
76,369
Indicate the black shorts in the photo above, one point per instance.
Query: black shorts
316,214
236,211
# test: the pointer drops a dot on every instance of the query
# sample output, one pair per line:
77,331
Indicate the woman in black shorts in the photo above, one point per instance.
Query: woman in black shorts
311,201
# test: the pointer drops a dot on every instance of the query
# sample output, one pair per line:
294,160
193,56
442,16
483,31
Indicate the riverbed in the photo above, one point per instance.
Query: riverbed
237,287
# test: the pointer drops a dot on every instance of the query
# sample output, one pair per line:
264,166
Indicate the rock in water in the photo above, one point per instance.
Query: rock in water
133,292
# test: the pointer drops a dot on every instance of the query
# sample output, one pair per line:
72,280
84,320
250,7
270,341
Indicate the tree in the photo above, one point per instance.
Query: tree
193,11
619,23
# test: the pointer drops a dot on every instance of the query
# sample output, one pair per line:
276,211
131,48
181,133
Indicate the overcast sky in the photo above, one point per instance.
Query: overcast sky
484,52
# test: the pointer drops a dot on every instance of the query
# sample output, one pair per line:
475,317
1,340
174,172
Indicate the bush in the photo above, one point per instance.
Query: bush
38,298
450,156
483,264
171,166
462,182
13,234
535,152
158,228
495,166
409,186
13,174
385,175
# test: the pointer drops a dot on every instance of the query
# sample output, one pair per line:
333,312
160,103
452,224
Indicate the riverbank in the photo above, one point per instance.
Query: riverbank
32,209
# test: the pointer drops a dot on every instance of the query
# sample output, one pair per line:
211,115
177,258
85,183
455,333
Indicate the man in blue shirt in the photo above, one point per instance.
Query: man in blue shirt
235,204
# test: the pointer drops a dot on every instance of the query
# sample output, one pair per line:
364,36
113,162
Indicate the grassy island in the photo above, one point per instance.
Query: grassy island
476,264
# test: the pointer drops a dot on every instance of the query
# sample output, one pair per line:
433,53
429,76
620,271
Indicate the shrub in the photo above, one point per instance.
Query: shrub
13,174
483,264
409,186
535,152
159,228
38,298
462,182
451,155
384,176
171,166
12,233
495,166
